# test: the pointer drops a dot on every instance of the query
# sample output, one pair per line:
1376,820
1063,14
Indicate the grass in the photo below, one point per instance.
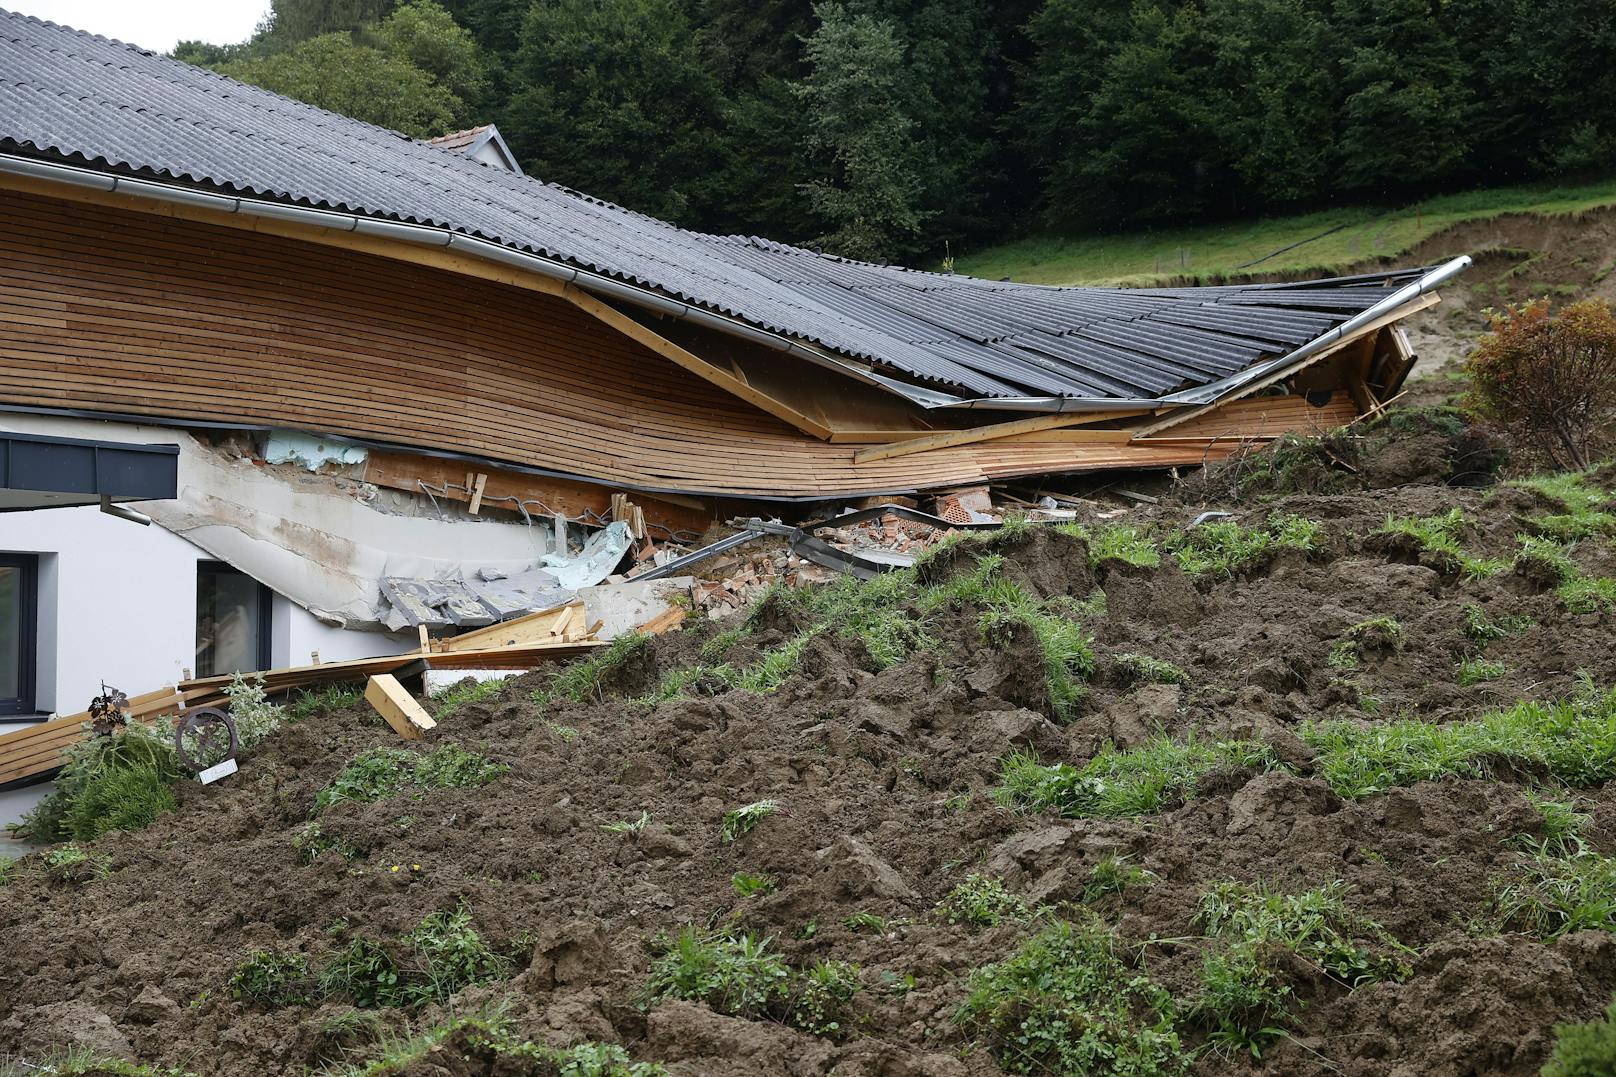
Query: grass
981,901
464,694
628,826
1214,252
1573,741
750,884
379,773
323,700
446,955
740,975
271,979
1440,538
1245,999
1132,669
1478,670
739,822
581,681
1561,827
1161,773
1482,630
1550,896
1585,514
1550,562
1118,542
1113,874
1378,634
79,1061
1067,1001
8,866
1224,550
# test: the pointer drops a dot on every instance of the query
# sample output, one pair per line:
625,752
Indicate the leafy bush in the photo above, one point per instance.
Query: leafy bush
255,717
123,798
1224,550
1066,1002
1584,1050
983,901
379,773
82,806
450,954
1574,740
1158,774
271,979
1549,379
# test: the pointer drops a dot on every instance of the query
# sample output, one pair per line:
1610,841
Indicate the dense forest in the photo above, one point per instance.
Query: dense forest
904,129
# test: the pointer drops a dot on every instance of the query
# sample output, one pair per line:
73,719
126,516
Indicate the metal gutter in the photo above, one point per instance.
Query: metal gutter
602,285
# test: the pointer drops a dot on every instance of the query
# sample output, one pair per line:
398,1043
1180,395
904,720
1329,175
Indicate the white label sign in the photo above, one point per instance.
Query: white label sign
217,771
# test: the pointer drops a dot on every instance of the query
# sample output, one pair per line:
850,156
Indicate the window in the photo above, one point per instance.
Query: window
19,628
232,621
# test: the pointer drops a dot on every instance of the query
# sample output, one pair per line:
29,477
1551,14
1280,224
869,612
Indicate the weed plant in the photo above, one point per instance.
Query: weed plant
272,979
119,781
1112,874
379,773
982,901
1066,1002
1132,669
823,996
1481,630
1561,828
81,1061
1160,773
739,822
72,863
465,694
750,884
1550,896
323,700
1118,542
254,715
628,826
740,975
1479,670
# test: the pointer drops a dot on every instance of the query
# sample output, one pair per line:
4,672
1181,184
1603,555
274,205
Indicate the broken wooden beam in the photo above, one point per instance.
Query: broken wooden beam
975,434
389,699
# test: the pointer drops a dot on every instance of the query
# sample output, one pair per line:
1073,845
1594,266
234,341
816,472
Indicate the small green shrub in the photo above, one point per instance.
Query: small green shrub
364,974
823,997
738,822
1224,550
254,715
1549,896
748,884
1065,1002
983,901
449,955
71,863
81,805
379,773
465,694
122,798
1160,773
271,978
1587,1050
7,867
739,975
1481,630
1574,740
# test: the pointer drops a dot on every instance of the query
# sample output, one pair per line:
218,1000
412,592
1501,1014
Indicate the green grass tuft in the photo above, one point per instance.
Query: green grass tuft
981,901
1441,538
1161,773
1117,542
1573,741
323,700
1550,896
581,681
1224,550
379,773
464,694
738,822
1477,670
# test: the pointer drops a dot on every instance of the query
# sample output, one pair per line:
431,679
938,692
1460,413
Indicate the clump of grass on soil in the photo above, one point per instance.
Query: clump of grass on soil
323,700
271,978
1482,630
1573,741
1132,669
739,822
1224,550
1586,514
1378,634
1113,874
378,773
744,976
1067,1001
1118,542
581,681
79,1061
1549,896
445,954
1440,539
1550,562
72,863
1161,773
464,694
1245,998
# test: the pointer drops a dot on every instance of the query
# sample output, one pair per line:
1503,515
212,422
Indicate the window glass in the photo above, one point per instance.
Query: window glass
231,612
11,629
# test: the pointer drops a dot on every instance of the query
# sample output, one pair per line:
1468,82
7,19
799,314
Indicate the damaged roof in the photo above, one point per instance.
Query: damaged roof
79,98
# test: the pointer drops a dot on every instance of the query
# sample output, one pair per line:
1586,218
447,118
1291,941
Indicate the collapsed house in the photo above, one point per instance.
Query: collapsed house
359,384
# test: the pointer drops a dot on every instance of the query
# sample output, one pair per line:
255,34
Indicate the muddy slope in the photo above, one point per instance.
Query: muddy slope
885,780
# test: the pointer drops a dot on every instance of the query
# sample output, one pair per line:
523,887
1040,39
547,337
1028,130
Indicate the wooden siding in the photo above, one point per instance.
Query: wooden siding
109,310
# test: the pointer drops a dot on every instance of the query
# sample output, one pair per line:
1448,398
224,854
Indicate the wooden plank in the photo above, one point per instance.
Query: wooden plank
666,621
477,493
975,434
532,628
389,699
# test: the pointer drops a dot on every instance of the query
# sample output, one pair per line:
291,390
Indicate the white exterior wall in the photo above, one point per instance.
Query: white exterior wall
117,603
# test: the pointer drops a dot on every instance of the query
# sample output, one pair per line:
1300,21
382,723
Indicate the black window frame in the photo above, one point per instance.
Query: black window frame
266,611
22,707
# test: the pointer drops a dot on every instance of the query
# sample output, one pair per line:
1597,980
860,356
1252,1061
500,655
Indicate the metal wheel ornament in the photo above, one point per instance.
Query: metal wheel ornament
205,738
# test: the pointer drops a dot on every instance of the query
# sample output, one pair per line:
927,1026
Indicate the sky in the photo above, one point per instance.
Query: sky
152,24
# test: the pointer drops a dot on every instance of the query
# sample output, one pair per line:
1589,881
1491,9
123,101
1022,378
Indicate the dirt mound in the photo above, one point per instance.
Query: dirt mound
875,734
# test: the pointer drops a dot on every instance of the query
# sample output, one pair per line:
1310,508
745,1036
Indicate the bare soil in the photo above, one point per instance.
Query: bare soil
885,779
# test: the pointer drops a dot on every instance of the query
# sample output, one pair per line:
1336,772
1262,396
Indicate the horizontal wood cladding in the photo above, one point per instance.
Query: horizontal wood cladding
108,310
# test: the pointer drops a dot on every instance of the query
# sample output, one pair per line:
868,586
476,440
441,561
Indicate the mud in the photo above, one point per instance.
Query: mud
885,778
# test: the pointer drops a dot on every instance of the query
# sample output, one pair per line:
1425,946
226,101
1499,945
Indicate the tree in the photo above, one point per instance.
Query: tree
868,182
427,36
1405,114
1549,379
332,72
613,98
293,21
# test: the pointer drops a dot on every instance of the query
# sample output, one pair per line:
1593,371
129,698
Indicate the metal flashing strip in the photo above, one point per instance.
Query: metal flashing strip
78,471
